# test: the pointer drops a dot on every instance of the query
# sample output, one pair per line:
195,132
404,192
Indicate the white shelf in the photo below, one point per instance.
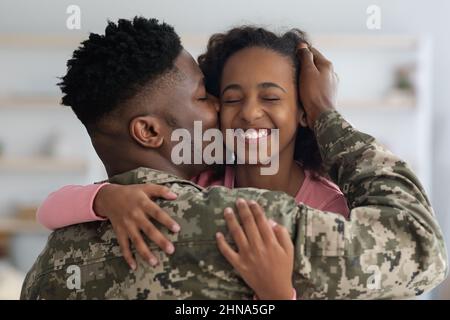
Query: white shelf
348,42
345,41
10,40
381,104
11,225
337,41
41,164
29,102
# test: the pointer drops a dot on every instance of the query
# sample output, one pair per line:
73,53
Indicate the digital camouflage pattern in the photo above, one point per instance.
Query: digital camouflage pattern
392,246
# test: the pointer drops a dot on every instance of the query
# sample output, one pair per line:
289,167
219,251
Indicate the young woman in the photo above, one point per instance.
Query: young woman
254,74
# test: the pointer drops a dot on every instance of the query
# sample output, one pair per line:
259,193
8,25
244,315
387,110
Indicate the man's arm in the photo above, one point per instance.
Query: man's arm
392,245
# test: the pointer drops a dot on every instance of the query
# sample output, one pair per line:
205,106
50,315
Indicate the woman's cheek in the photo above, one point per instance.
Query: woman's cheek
224,116
213,120
288,130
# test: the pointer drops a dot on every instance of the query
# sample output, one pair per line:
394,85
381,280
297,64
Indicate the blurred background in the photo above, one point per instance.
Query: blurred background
392,58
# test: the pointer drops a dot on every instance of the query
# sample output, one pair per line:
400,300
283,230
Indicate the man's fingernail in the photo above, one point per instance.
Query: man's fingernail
172,195
133,266
252,202
153,262
303,45
240,201
272,223
228,211
176,227
170,248
218,235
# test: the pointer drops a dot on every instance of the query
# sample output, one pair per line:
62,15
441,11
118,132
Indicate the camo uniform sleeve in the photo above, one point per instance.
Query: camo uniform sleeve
391,247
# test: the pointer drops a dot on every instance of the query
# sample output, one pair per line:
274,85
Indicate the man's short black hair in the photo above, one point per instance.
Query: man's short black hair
107,70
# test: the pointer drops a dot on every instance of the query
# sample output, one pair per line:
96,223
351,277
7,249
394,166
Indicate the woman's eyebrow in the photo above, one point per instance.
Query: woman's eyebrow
265,85
230,87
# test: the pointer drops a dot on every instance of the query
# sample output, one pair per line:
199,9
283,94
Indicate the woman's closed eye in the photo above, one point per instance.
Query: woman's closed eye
270,98
231,100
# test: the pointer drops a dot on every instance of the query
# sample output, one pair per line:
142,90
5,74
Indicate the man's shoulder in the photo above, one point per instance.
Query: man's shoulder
149,175
79,244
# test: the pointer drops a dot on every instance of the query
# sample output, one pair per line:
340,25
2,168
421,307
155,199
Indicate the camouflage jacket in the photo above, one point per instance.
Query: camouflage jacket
391,247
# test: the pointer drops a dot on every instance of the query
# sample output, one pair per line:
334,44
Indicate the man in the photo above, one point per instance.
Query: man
131,88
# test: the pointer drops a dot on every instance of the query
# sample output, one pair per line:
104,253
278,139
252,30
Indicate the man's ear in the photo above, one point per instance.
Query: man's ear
302,117
147,131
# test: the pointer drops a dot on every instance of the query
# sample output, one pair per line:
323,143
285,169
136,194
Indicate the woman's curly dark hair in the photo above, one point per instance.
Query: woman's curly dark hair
222,46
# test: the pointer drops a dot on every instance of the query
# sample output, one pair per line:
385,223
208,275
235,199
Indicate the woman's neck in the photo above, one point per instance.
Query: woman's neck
289,178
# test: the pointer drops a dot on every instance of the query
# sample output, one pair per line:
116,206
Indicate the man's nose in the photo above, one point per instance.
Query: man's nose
251,111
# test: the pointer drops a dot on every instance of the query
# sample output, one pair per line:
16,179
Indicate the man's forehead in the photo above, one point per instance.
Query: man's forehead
186,64
183,79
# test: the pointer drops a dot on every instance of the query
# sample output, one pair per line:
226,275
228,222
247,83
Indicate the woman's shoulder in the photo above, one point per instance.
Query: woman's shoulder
321,193
211,177
325,184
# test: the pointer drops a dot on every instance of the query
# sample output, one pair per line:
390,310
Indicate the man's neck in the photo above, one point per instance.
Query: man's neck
155,162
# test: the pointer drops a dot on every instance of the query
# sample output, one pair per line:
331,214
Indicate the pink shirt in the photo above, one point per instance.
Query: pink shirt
316,191
74,204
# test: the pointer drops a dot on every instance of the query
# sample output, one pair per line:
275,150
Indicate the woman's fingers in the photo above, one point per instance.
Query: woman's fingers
124,243
235,229
141,246
283,238
265,229
224,248
158,191
249,224
156,236
160,215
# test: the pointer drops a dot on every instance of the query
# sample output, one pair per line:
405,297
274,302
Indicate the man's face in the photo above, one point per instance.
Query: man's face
187,101
176,102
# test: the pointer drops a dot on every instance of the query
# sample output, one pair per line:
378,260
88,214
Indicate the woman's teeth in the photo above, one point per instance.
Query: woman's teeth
252,134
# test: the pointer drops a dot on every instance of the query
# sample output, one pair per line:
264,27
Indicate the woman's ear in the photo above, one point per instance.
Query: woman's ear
302,117
146,131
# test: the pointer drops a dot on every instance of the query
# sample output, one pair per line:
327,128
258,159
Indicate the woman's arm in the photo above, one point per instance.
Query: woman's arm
127,207
69,205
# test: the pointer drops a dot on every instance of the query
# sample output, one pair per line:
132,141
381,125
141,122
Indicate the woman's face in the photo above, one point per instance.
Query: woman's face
258,92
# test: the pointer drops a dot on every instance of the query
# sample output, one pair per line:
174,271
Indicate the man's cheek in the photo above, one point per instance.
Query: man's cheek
210,119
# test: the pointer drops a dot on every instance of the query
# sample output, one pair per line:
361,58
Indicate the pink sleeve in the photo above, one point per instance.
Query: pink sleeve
69,205
338,205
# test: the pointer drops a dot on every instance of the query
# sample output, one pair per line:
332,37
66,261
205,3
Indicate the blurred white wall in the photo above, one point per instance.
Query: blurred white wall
320,16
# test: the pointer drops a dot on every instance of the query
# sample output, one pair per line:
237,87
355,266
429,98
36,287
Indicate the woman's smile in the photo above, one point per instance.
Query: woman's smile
253,135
